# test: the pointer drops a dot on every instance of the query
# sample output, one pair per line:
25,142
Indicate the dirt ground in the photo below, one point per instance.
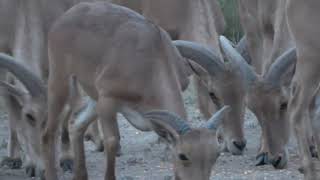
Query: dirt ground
144,159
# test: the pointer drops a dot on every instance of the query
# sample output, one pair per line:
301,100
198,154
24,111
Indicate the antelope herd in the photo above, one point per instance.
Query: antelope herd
70,66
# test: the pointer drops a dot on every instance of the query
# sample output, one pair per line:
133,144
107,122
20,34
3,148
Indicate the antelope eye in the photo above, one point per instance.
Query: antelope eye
283,106
213,97
30,119
183,157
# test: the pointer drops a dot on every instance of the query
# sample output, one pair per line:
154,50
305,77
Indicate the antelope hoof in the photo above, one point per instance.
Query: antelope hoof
313,151
30,170
119,151
12,163
301,170
66,164
87,137
309,173
240,145
237,147
41,175
262,159
279,161
97,142
99,146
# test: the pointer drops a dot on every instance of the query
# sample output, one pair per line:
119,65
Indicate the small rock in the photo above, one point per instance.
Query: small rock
133,160
127,178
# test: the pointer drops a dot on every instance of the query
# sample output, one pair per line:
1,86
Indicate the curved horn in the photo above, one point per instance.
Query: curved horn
235,58
242,48
202,55
281,66
214,122
168,119
30,80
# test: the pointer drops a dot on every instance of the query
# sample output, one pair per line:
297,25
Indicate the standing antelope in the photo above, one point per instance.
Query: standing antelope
303,18
24,26
128,65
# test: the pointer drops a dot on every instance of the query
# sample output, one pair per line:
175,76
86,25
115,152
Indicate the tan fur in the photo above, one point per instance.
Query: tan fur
303,22
267,34
131,66
201,21
24,28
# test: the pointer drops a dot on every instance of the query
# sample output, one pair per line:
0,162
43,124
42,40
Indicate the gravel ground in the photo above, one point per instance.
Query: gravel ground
143,158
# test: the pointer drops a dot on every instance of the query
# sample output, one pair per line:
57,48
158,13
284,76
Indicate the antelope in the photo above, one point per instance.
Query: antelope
273,60
31,51
127,64
24,26
202,21
302,20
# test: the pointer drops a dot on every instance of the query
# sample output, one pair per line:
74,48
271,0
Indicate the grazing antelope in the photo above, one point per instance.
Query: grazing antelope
24,26
273,60
202,21
127,64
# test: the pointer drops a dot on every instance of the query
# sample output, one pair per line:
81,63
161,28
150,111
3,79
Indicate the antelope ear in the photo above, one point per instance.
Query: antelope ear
201,73
288,76
18,94
167,125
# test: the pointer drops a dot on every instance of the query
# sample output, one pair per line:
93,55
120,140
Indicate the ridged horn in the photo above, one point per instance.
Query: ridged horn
235,57
169,119
242,48
214,122
32,82
281,66
206,58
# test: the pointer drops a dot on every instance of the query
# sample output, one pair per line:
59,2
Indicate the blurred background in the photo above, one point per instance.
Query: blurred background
233,28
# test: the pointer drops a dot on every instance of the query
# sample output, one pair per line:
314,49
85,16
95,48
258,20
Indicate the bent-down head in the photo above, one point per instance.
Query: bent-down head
29,109
195,150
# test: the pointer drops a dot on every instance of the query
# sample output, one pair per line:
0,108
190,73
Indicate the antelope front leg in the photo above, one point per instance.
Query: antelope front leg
315,125
79,124
107,112
13,160
302,94
311,138
93,134
66,157
57,98
13,144
302,139
316,130
262,157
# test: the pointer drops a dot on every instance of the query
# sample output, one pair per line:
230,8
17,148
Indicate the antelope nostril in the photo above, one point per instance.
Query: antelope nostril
240,144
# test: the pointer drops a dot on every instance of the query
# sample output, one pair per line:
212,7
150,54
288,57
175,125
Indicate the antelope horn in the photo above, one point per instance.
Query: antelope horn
214,122
32,82
235,57
206,58
242,48
173,121
281,66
